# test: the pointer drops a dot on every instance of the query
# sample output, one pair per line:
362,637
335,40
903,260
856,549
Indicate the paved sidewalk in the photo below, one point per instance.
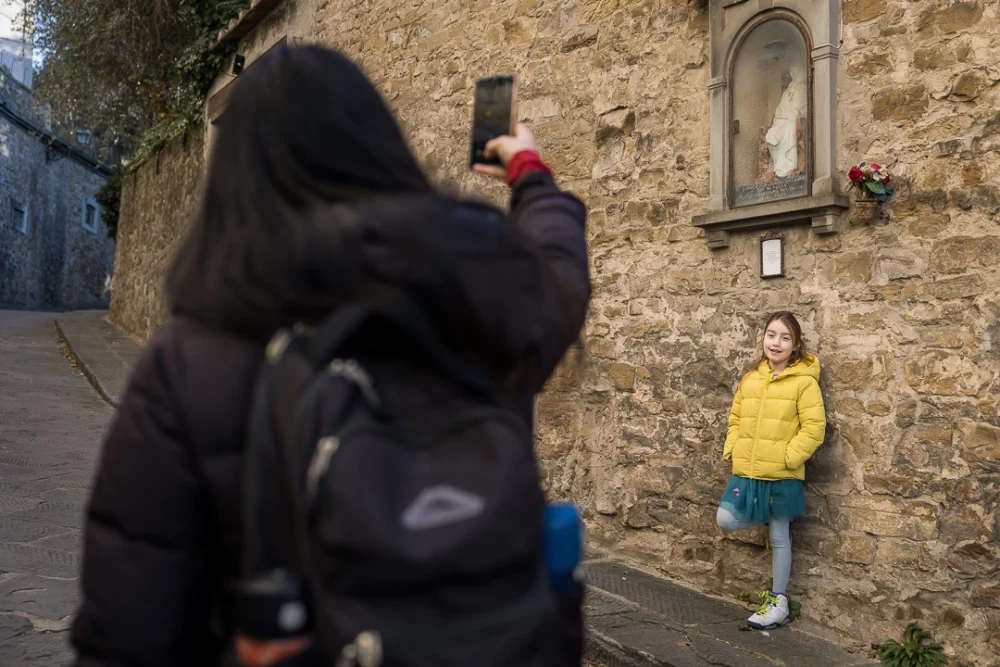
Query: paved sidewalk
51,425
634,619
104,354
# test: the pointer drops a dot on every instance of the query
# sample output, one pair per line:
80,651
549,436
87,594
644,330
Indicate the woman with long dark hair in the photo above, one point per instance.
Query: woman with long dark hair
312,200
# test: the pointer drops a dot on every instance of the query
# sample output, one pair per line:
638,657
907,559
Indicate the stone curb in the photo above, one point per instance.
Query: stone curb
84,368
606,652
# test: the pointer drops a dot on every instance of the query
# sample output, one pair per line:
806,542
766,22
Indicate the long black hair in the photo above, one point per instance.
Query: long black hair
304,137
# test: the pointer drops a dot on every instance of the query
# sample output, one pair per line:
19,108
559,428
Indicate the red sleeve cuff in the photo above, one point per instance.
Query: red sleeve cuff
524,163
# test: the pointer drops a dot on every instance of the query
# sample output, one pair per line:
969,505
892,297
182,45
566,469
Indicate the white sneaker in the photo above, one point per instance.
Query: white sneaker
772,614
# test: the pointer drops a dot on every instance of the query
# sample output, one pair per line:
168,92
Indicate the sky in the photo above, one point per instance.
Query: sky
9,9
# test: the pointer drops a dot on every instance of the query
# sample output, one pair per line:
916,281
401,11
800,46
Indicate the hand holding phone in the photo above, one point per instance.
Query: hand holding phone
503,149
494,115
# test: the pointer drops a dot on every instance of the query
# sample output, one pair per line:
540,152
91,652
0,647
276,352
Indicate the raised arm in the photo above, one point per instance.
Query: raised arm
547,303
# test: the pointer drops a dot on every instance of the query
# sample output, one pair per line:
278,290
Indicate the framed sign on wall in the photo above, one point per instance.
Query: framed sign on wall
772,257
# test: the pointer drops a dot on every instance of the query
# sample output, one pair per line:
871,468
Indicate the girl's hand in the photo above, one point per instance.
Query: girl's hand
504,149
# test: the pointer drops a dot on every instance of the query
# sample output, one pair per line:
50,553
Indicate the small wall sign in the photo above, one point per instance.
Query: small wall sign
772,257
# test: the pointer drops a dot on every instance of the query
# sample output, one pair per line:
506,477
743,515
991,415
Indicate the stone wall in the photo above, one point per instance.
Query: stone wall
903,497
56,262
158,201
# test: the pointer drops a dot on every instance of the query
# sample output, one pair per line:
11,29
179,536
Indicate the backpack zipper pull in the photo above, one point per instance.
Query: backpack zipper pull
353,372
369,645
364,651
325,450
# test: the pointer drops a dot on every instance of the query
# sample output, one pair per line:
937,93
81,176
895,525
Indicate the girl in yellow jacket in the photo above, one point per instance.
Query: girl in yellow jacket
776,423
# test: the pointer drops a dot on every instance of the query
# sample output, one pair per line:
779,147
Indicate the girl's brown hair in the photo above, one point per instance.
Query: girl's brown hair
786,318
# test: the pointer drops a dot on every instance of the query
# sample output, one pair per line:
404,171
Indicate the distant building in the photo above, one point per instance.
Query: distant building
54,247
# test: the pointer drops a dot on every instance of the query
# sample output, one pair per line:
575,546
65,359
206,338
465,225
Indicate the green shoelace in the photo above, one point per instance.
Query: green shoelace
768,601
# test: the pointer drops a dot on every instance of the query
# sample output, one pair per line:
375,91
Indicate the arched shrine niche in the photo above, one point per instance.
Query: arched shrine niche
773,91
770,102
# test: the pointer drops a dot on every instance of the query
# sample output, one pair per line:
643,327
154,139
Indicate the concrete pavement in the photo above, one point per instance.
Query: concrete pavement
635,619
51,424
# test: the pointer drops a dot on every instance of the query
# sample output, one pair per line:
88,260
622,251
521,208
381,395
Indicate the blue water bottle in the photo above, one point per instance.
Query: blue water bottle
564,537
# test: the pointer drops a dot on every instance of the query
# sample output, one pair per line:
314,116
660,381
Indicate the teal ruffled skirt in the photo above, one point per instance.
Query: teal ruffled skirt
758,501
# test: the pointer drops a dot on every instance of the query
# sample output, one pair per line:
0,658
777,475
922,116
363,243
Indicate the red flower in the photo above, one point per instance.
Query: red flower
886,179
855,175
875,167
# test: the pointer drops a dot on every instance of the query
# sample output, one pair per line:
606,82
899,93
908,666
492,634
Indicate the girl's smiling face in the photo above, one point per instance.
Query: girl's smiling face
779,343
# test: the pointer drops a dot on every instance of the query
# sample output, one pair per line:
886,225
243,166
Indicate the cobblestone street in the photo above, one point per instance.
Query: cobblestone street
51,423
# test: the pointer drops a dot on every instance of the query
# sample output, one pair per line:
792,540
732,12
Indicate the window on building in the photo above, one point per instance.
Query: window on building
20,217
90,215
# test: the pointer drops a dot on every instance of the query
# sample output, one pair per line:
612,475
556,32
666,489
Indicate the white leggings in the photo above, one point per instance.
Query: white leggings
781,545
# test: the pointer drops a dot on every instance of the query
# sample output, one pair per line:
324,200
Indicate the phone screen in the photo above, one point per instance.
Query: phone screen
493,114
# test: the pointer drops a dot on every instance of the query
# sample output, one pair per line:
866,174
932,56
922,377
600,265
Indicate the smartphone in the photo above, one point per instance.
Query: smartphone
494,114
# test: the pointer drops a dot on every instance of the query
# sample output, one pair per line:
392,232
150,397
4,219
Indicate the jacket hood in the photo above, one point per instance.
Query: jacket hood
807,366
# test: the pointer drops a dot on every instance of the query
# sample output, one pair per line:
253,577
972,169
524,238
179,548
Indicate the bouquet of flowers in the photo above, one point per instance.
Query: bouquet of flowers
871,178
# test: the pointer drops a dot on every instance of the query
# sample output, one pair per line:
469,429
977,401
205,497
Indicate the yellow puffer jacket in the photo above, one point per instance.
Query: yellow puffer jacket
776,424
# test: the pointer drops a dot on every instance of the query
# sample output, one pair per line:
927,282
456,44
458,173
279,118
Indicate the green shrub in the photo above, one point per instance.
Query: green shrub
913,652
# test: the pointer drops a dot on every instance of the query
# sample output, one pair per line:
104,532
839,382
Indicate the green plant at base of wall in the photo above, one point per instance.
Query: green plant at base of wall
913,652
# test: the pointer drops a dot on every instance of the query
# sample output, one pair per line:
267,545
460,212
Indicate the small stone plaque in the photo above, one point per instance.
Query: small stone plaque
772,258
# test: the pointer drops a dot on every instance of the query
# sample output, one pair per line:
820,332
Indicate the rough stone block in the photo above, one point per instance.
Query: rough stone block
944,373
602,348
623,376
980,440
847,267
559,425
870,373
960,253
967,85
856,11
856,548
890,517
986,596
904,555
953,17
974,560
933,57
929,226
904,486
869,63
903,103
949,289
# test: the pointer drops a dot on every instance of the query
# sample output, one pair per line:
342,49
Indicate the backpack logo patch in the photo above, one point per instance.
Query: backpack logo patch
441,505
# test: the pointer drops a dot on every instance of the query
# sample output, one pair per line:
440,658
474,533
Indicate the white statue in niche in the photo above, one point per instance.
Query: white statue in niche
782,137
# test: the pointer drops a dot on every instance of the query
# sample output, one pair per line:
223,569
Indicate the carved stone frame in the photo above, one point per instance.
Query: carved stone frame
729,23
